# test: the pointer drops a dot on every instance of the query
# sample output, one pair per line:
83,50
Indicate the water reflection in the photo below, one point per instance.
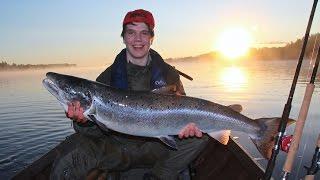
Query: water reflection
32,122
233,79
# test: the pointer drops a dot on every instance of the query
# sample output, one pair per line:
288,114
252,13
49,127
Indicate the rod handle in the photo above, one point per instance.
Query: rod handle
299,128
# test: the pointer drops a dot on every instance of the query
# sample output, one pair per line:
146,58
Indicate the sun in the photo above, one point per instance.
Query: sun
234,42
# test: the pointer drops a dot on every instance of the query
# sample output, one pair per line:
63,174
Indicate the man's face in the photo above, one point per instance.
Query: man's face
137,39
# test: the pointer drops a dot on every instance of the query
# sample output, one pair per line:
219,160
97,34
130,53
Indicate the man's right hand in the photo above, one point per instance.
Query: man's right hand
75,112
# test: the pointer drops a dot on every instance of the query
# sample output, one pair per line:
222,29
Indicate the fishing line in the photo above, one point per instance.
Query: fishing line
312,59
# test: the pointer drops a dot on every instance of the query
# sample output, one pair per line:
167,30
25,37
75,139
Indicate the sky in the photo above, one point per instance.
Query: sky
87,33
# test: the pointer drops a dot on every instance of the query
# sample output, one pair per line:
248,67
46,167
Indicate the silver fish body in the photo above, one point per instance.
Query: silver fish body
153,115
157,115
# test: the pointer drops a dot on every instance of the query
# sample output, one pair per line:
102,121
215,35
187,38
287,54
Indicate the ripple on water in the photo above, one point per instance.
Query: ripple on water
27,131
32,121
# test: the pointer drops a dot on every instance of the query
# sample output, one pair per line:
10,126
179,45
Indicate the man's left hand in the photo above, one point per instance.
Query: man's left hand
190,130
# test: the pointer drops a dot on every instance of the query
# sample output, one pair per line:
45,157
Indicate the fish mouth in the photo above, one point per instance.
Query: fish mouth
50,84
51,87
54,89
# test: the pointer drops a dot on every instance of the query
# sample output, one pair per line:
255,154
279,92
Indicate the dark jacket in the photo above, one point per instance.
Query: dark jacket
162,73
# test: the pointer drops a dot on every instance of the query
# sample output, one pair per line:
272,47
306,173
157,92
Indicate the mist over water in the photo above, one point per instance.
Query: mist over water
32,121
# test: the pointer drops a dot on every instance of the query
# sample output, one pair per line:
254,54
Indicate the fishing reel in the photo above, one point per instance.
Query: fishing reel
285,143
315,164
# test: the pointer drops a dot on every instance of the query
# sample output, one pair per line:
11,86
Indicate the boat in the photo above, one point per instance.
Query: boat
216,161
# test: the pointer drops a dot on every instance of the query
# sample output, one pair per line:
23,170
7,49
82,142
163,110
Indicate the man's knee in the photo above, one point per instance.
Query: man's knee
177,161
76,160
72,165
190,144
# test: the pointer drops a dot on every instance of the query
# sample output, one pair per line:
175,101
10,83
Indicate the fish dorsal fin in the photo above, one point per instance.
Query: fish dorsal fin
221,136
235,107
165,89
169,140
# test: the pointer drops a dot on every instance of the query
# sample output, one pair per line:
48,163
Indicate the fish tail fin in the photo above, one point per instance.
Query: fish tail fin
265,140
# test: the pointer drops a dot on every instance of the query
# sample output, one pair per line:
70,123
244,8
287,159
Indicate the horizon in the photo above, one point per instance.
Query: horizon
168,59
84,33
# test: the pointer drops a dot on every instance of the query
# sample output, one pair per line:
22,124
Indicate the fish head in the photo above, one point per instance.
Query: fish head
68,89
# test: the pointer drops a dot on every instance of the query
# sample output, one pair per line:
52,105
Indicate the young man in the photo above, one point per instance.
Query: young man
138,68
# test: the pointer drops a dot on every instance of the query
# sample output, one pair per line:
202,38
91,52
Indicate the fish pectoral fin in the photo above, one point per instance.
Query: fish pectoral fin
169,140
165,90
221,136
91,112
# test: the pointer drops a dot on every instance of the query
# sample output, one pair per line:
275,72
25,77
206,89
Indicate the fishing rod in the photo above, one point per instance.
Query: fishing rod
185,75
315,163
301,121
287,107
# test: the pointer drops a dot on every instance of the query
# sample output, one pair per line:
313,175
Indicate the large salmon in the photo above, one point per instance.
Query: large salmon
157,115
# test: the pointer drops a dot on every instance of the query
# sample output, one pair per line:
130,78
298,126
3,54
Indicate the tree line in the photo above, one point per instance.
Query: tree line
289,51
6,66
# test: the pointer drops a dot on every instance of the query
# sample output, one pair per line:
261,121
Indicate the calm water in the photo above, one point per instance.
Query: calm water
32,121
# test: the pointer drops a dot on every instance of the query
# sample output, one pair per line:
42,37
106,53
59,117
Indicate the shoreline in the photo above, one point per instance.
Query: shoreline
21,67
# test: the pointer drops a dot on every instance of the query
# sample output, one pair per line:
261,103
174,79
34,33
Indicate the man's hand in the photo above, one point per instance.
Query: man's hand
75,112
190,130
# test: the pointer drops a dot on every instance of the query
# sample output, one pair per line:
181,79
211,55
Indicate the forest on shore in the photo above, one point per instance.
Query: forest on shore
290,51
4,66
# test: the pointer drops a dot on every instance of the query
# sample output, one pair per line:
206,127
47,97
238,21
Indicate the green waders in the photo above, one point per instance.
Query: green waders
116,153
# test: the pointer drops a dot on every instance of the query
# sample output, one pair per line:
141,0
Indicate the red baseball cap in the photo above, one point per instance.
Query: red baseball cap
139,15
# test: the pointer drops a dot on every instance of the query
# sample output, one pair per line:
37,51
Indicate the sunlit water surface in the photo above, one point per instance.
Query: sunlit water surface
32,121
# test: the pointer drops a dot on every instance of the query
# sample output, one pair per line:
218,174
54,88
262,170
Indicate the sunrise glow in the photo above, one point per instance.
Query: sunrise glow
234,42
